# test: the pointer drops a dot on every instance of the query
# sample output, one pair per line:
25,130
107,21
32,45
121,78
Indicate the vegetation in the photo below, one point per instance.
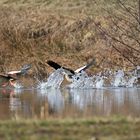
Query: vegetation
71,32
91,129
122,33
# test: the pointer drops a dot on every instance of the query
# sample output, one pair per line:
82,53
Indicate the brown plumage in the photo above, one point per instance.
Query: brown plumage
5,79
10,77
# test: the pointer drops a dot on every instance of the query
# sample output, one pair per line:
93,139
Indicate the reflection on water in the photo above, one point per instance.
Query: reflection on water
75,103
54,98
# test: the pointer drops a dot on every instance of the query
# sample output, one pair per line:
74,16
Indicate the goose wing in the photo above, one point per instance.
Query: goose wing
53,64
57,66
13,72
5,79
23,71
93,62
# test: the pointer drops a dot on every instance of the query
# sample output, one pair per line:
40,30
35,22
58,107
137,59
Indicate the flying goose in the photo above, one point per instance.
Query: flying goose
69,73
10,77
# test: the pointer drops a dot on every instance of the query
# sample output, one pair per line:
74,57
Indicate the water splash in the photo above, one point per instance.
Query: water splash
131,80
138,71
53,81
118,79
100,80
82,80
122,79
18,85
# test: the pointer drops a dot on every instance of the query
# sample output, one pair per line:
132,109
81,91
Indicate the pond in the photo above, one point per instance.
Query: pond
69,103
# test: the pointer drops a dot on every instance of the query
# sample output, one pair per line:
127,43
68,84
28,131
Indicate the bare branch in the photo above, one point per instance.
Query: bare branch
114,38
129,11
123,55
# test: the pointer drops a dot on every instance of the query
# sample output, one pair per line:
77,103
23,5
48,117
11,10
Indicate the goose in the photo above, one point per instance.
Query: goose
69,73
9,78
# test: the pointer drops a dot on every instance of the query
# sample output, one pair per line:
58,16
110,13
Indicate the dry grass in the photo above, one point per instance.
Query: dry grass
64,31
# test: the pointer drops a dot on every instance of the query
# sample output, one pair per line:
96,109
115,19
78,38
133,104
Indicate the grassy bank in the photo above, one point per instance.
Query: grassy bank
91,129
35,31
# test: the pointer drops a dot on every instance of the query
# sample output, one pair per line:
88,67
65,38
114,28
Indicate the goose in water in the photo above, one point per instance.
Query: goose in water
10,77
69,73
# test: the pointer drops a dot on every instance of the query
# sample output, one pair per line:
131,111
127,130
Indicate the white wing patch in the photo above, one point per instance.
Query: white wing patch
13,72
80,69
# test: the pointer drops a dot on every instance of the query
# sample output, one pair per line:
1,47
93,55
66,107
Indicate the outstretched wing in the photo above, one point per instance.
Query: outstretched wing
53,64
13,72
68,71
57,66
23,71
93,62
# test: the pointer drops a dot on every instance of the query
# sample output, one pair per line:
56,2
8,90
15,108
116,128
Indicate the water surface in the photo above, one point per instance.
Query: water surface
69,103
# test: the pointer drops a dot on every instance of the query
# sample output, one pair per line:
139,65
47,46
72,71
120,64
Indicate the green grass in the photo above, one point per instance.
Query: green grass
91,129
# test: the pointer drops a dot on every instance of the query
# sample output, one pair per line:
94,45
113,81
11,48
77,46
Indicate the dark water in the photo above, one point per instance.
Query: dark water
64,103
